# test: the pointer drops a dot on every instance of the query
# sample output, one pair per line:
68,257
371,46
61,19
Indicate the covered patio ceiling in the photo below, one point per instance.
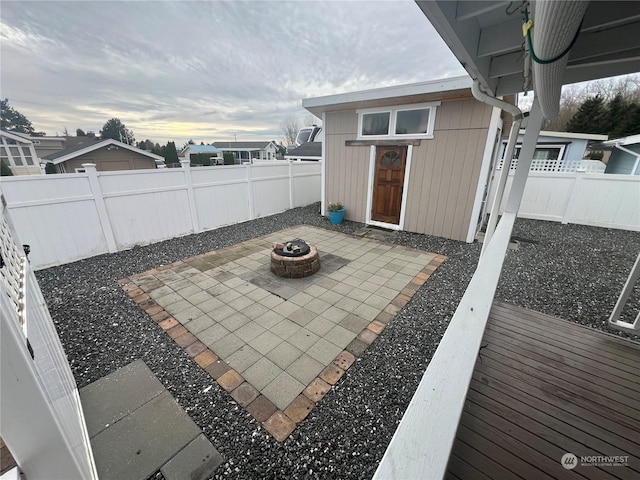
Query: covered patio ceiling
487,38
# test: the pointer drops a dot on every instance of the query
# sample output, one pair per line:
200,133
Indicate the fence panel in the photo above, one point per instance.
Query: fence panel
603,200
56,215
307,183
68,217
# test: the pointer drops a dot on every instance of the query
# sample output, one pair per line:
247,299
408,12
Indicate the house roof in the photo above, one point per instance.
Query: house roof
486,37
241,145
409,93
201,149
86,147
306,150
18,137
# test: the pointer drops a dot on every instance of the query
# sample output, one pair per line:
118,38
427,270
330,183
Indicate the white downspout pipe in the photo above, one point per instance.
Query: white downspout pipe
517,115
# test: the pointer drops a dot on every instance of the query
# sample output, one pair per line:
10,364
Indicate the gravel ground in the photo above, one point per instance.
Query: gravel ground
571,271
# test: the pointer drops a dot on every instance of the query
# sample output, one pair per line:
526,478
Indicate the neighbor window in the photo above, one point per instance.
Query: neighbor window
412,121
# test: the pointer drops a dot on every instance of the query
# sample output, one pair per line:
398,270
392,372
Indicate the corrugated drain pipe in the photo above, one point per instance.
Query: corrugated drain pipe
518,116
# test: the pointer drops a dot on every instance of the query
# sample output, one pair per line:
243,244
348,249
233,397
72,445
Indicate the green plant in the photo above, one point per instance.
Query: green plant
229,159
335,207
5,171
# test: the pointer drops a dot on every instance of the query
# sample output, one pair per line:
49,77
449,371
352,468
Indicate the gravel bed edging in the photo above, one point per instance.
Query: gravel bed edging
572,271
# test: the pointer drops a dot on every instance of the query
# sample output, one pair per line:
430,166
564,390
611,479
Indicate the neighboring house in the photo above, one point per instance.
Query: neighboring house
248,151
18,151
200,154
411,157
108,155
625,155
310,151
558,152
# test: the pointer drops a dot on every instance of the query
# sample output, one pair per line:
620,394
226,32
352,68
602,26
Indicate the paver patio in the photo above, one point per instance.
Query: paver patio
275,344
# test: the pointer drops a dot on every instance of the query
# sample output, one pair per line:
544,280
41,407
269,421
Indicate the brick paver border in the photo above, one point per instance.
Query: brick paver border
280,424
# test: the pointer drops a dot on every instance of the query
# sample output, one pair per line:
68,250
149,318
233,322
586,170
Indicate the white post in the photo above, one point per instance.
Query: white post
569,208
502,182
250,193
186,168
323,168
290,185
526,156
101,208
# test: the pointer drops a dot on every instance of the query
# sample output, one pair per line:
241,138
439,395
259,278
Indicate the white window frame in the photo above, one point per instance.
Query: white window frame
393,116
81,170
540,146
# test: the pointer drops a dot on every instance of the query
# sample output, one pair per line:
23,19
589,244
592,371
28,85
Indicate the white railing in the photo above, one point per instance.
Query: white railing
68,217
42,418
422,443
597,199
546,165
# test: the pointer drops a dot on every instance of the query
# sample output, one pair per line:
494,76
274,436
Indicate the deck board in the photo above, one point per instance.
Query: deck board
543,387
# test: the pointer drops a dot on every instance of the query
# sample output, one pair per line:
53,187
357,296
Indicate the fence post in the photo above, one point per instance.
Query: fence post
575,188
290,185
186,168
250,192
101,208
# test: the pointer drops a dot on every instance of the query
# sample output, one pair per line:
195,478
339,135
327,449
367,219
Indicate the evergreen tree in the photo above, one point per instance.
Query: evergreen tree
80,133
170,153
12,120
117,130
631,122
617,110
591,117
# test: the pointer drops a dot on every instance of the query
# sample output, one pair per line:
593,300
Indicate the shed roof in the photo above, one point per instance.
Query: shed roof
86,147
241,145
446,88
201,149
306,150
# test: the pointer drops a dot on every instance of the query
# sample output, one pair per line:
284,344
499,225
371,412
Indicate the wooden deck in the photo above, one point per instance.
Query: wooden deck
543,387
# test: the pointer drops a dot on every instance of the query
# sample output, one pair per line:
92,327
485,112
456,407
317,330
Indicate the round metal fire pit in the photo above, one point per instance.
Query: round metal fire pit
294,259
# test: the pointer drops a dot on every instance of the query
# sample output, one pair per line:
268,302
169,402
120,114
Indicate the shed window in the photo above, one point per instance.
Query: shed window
403,121
375,123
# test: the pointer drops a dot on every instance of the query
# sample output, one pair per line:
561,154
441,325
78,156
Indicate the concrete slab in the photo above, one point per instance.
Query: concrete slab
195,462
109,399
143,441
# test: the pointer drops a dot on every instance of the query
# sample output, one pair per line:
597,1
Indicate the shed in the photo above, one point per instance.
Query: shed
108,155
411,157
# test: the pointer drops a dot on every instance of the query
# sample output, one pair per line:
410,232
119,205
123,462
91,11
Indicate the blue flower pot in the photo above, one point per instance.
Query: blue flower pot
337,216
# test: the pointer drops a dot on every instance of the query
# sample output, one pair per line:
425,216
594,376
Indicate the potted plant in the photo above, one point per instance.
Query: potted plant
336,212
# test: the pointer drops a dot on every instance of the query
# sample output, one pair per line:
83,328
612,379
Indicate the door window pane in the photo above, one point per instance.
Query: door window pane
412,121
375,123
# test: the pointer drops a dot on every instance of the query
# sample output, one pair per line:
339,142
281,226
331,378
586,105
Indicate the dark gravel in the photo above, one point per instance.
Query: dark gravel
572,271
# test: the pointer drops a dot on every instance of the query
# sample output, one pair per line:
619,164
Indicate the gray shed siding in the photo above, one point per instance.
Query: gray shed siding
444,170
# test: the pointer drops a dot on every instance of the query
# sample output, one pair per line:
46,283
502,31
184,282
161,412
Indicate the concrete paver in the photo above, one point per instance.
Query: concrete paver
282,335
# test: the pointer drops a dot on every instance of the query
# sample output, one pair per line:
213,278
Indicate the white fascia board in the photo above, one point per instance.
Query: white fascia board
631,140
102,144
434,86
582,136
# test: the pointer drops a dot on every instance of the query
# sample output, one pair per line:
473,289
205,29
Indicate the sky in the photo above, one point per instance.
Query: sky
206,71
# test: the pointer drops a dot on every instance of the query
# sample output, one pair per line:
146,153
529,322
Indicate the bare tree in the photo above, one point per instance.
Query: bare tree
289,129
311,120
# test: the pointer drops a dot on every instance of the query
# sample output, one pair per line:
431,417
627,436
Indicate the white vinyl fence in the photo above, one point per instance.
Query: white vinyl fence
598,199
68,217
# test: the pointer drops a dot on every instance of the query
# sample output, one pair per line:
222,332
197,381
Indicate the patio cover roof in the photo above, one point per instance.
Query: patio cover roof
487,39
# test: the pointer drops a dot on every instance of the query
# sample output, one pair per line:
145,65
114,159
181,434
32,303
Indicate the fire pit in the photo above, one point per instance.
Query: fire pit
294,259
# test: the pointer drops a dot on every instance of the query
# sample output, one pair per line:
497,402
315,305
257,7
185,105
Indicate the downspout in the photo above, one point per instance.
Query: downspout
518,116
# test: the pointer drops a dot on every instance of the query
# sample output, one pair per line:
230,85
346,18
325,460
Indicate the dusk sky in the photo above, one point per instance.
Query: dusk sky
205,70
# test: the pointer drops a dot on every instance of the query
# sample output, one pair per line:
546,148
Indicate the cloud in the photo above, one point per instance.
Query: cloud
217,68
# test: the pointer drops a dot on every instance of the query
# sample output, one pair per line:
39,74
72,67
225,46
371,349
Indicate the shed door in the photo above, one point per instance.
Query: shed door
388,184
